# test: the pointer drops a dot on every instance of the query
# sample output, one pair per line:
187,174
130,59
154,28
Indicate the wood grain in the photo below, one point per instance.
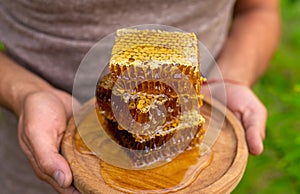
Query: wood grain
226,168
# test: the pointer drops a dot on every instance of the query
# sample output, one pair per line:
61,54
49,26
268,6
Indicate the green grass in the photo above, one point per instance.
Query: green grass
277,170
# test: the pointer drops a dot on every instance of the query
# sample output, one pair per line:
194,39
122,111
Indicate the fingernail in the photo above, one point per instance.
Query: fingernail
261,146
259,149
59,177
75,192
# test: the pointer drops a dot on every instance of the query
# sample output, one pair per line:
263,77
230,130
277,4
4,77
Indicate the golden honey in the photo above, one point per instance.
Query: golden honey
174,176
152,93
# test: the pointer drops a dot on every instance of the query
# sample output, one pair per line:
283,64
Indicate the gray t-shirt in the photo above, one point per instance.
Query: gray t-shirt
51,37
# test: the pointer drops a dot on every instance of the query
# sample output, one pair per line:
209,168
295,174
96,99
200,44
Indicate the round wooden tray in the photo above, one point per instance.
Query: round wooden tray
223,173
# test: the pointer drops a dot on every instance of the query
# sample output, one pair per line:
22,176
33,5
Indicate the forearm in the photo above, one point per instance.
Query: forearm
251,42
16,83
43,113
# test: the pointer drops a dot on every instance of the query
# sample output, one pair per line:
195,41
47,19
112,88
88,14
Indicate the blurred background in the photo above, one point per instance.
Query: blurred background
277,170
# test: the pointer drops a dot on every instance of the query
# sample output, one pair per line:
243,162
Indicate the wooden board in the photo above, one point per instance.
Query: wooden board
222,174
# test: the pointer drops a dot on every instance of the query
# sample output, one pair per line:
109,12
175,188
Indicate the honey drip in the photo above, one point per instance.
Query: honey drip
171,177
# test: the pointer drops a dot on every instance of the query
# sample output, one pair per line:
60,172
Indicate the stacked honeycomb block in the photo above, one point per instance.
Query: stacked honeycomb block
152,94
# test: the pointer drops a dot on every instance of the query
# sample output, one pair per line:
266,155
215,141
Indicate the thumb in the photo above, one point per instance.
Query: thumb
57,168
254,140
48,164
254,120
45,146
52,165
44,125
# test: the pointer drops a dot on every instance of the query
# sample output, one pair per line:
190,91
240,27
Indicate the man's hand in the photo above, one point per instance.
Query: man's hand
43,112
42,123
247,108
244,58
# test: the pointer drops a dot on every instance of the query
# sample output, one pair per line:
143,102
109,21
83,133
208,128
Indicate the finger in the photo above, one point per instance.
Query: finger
68,101
238,115
48,159
44,126
26,144
28,152
255,144
254,120
41,175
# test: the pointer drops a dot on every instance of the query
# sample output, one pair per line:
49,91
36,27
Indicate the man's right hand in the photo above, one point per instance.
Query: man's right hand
42,123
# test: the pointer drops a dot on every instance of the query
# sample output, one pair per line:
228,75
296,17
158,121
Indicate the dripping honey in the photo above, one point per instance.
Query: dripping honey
171,177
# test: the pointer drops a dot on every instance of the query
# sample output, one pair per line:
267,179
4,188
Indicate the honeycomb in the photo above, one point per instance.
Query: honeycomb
152,93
